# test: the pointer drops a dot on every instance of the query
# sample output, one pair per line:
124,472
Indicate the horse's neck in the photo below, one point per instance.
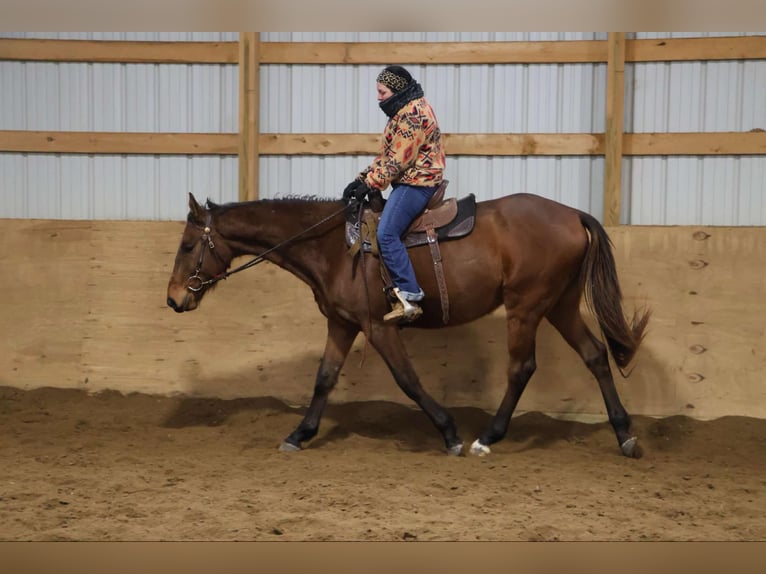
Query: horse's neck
256,227
257,223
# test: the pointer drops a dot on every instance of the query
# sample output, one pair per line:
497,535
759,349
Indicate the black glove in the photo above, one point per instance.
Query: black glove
350,190
361,191
357,189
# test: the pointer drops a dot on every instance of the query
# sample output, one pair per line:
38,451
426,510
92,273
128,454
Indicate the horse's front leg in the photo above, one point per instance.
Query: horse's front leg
340,337
386,340
521,328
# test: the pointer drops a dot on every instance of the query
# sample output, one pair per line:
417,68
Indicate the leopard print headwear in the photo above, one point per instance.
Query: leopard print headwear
392,81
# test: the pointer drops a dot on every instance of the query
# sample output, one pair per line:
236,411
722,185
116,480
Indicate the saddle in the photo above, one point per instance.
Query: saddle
441,220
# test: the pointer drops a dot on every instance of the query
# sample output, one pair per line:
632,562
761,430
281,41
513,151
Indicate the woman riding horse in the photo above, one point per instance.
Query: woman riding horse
412,161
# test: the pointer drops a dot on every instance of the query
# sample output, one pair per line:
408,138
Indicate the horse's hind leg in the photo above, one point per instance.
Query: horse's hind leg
340,337
386,340
521,328
565,317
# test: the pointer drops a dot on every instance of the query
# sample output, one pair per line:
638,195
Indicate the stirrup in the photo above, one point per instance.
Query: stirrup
403,310
400,314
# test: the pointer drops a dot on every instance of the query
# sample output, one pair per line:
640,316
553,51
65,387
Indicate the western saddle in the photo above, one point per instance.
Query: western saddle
442,219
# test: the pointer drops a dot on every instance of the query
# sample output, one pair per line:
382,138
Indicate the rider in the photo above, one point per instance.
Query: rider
412,161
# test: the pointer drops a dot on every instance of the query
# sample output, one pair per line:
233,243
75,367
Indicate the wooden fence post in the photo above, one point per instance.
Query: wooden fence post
249,85
615,104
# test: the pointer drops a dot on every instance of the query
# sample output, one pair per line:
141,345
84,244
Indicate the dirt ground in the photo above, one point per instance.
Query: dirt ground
105,466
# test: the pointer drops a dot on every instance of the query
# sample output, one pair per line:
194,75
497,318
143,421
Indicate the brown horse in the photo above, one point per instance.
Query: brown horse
532,255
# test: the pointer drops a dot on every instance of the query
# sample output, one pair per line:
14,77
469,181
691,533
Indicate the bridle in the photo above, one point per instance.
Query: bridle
195,283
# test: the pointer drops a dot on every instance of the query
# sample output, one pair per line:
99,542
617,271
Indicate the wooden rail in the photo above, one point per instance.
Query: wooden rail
643,144
548,52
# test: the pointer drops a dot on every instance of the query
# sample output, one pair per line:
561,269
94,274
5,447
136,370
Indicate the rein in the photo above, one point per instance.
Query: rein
195,282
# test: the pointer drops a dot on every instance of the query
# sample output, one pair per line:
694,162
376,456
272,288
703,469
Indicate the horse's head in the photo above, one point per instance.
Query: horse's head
201,258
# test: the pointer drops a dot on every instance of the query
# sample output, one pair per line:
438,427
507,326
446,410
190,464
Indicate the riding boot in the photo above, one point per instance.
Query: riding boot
403,311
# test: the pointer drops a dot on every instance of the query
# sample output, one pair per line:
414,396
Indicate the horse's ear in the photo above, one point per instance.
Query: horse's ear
196,210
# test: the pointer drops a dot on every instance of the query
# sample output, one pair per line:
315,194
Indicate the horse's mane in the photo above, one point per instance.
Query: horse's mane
307,198
306,209
288,199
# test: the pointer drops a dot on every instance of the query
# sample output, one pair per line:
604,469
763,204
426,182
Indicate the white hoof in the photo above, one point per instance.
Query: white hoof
456,450
630,448
479,449
288,447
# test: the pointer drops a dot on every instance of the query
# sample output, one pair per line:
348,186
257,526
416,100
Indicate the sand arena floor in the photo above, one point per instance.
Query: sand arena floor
112,467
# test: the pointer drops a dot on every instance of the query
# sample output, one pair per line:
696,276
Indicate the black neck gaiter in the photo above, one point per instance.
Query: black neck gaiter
396,102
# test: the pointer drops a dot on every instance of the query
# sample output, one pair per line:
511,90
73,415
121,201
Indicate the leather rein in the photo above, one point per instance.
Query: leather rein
196,283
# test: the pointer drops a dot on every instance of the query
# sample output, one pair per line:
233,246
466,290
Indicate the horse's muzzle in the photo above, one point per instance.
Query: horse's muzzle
188,303
175,306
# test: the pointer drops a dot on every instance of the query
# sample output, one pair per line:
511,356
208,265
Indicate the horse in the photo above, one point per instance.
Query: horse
535,256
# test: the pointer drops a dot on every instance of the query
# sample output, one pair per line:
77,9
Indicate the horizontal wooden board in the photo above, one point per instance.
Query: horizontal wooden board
694,49
138,52
580,51
524,144
86,309
542,52
455,144
119,143
318,144
712,143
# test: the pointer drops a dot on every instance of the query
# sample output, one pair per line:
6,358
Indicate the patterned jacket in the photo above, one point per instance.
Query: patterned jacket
412,150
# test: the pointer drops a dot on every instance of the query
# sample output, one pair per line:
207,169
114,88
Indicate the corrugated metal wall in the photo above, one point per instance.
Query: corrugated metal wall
116,97
467,99
470,98
695,97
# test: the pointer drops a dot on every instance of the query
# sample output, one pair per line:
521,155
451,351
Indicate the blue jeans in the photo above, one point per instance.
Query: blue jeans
404,204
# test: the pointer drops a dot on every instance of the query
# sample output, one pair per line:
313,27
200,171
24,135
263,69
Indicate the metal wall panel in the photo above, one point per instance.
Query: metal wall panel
467,99
695,97
341,99
116,98
48,186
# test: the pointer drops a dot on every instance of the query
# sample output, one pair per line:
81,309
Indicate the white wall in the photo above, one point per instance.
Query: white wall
551,98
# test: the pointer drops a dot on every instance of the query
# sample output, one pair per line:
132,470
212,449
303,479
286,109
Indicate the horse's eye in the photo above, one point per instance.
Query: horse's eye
187,247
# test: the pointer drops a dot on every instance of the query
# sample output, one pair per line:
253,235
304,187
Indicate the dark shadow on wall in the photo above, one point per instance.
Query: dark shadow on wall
451,362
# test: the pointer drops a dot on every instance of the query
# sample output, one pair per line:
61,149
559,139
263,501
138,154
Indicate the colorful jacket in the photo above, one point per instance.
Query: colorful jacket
412,149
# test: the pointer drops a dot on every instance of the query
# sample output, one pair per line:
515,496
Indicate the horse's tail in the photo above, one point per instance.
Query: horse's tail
603,296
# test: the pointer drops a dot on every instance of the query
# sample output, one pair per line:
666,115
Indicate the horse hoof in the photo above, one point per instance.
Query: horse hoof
455,450
288,447
479,449
631,449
